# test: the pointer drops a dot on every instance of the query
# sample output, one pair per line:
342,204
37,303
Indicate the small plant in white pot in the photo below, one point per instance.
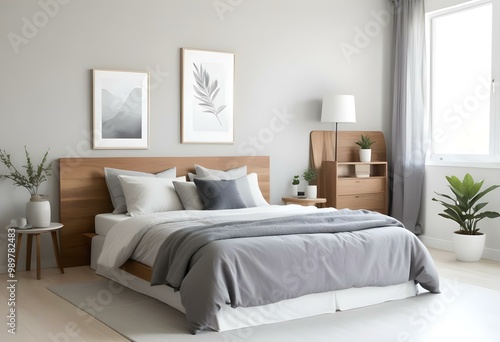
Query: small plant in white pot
38,208
295,185
365,152
310,175
465,210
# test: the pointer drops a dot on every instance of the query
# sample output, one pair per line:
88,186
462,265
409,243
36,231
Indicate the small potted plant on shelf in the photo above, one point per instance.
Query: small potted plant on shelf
310,175
465,210
295,185
38,208
365,153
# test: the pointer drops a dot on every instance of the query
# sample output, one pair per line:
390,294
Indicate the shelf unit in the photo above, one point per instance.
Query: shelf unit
344,190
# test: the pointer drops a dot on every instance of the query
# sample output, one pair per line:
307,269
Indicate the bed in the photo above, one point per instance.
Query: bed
89,226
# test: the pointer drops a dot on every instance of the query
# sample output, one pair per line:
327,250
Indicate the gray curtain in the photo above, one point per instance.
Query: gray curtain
408,140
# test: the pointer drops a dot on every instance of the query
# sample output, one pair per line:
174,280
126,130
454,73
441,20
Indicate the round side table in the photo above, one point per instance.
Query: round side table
30,232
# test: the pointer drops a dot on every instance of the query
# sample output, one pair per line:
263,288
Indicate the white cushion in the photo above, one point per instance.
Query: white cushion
150,194
253,183
115,189
229,174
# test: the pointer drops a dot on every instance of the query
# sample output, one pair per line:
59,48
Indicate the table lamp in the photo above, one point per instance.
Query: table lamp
338,108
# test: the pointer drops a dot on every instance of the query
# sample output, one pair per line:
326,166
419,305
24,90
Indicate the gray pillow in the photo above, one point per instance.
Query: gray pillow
115,188
238,174
188,194
219,194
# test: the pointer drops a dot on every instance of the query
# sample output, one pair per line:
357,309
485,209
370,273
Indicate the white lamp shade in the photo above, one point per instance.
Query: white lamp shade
338,108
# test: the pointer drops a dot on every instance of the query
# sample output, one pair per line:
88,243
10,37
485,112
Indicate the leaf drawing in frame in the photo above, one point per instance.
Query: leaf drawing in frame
206,92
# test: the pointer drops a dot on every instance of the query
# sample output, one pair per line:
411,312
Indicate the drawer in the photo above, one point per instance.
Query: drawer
354,186
376,202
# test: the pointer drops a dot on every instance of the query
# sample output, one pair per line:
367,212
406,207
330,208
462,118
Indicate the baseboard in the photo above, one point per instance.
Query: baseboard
489,253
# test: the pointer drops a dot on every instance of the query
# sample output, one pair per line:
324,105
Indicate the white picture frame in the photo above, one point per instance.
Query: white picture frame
121,109
207,91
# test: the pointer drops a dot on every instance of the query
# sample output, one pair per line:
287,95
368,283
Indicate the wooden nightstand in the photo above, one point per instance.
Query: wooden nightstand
344,190
52,229
303,201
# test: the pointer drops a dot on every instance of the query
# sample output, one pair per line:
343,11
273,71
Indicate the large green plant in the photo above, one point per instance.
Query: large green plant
464,208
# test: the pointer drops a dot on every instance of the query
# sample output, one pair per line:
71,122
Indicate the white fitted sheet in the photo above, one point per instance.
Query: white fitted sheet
104,222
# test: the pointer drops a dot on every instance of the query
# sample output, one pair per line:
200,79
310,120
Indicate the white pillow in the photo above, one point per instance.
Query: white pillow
229,174
150,194
253,183
115,188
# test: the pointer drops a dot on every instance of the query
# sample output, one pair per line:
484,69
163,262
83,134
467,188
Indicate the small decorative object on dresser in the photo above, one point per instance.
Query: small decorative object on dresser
365,153
38,208
464,210
295,185
310,175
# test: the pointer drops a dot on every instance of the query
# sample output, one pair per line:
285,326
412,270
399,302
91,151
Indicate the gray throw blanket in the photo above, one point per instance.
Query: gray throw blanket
171,264
234,264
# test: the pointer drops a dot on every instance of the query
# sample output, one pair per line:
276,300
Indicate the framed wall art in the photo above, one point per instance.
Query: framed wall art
207,81
121,109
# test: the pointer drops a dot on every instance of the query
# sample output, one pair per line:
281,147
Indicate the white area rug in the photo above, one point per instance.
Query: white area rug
462,312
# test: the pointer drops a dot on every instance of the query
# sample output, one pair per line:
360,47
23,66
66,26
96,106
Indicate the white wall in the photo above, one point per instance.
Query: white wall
437,230
288,54
433,5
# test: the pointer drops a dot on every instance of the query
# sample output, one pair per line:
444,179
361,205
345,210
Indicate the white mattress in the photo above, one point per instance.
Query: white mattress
104,222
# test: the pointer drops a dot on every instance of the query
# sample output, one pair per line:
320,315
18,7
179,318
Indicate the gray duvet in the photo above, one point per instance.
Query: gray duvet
259,262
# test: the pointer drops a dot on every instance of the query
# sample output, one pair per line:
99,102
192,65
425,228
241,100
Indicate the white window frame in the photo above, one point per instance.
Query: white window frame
486,161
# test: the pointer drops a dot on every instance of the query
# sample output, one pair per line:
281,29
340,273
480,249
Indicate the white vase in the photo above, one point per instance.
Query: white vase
312,191
295,189
38,212
365,155
468,247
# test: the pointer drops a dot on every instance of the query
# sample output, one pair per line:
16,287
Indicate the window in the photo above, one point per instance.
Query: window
462,113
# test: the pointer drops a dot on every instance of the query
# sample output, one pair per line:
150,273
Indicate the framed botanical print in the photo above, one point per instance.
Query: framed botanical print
121,109
207,82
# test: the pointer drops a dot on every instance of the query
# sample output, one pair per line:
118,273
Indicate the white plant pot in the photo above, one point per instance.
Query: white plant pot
295,189
365,155
468,247
38,212
312,191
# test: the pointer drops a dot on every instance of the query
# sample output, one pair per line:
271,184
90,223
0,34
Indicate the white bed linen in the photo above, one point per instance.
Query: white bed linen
104,222
121,241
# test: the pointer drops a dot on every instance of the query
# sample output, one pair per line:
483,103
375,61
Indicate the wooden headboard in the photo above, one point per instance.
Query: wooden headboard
83,192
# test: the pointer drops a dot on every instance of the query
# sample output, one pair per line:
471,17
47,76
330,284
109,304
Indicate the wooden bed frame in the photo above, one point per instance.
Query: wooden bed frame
83,192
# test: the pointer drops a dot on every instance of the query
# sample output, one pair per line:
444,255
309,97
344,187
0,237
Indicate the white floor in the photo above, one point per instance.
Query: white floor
467,310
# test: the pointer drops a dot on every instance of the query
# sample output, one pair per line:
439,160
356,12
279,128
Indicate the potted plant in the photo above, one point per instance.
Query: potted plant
310,175
295,185
38,208
464,209
365,153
